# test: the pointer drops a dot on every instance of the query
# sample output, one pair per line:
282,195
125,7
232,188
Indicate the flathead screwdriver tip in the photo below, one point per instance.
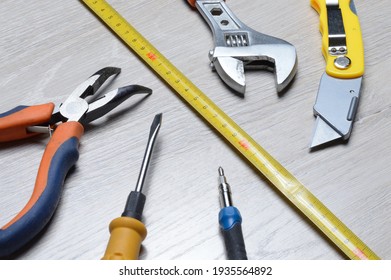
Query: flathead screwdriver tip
221,171
159,117
157,121
155,126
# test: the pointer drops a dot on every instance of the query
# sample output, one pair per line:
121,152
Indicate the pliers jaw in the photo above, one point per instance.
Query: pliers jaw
238,47
109,101
77,108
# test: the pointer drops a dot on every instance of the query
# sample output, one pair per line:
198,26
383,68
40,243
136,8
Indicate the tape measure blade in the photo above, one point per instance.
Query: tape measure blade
284,181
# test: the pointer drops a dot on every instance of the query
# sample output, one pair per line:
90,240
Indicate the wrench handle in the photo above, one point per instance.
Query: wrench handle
192,3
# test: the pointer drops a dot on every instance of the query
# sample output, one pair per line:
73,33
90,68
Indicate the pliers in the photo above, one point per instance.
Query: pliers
67,123
340,86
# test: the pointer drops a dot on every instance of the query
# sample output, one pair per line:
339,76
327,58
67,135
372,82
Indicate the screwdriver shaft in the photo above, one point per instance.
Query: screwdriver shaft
127,232
225,190
157,121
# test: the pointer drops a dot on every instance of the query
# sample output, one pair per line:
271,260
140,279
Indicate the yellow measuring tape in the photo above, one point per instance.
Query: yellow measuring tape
284,181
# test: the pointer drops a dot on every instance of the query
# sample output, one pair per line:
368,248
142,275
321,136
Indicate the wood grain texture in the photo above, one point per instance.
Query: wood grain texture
48,48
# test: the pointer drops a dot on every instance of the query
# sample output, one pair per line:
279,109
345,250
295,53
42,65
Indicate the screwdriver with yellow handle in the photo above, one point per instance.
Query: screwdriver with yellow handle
127,232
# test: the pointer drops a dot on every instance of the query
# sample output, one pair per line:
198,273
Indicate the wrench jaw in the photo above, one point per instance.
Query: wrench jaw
230,63
285,65
231,71
239,47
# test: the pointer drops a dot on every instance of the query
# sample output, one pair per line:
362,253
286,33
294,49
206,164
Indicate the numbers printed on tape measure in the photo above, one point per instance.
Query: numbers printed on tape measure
284,181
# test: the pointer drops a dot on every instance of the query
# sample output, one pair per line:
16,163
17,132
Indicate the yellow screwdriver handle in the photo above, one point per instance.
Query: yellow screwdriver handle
125,239
354,43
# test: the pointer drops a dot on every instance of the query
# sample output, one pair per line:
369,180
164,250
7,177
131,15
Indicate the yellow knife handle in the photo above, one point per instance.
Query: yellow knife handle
125,239
354,43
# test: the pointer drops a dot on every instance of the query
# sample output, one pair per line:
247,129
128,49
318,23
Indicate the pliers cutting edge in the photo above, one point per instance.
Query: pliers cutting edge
61,153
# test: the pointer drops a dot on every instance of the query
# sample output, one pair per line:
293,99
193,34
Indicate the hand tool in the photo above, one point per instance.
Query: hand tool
339,90
281,178
61,153
230,222
127,232
238,47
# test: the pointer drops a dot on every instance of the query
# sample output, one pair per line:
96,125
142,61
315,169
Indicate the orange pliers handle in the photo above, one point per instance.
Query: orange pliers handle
60,155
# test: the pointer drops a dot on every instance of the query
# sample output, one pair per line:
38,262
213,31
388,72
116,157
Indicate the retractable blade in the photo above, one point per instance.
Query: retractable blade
340,86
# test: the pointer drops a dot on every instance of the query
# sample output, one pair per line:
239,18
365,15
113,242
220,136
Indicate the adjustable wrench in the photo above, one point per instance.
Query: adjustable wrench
238,47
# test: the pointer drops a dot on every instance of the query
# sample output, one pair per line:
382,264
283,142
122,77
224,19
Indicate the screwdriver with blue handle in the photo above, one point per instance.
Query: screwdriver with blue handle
127,232
230,222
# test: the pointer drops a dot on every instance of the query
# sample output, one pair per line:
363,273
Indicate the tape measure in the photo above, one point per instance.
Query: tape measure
281,178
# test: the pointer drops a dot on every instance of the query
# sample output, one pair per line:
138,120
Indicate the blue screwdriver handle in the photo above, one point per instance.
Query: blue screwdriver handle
230,222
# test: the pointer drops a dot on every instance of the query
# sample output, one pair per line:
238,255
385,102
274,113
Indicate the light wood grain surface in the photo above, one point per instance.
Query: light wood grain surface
49,47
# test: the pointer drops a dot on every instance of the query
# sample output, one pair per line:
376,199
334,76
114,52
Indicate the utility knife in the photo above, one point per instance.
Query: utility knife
339,89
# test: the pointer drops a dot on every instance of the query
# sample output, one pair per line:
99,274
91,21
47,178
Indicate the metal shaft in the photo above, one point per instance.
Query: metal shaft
157,121
225,190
